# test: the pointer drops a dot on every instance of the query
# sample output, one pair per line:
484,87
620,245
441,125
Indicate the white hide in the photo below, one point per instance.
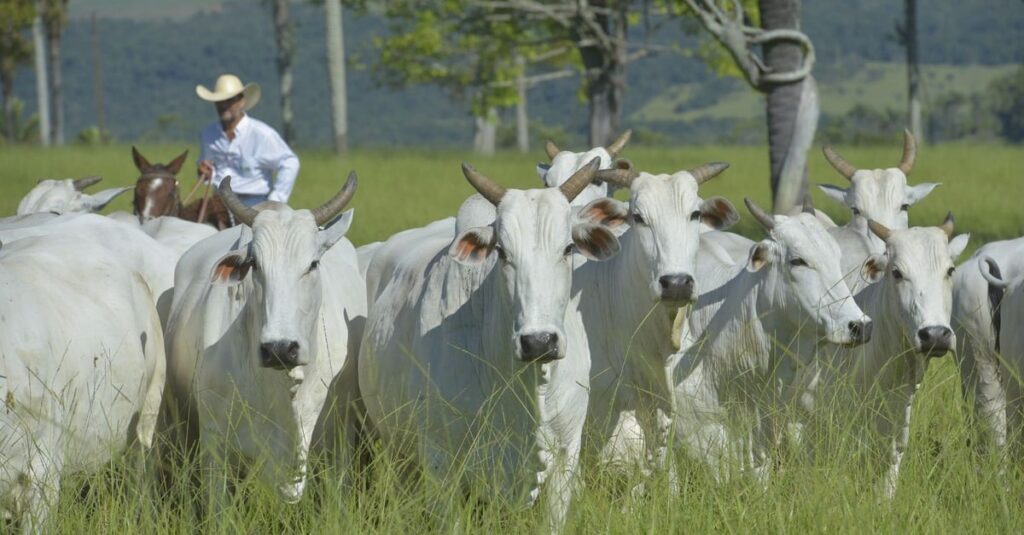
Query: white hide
175,233
751,335
566,163
81,366
241,288
61,197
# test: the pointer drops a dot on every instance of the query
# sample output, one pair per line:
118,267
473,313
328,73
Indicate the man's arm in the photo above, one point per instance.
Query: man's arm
278,156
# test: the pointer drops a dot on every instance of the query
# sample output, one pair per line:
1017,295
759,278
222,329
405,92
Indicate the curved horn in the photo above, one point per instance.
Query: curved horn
616,147
707,171
82,183
242,213
622,176
330,209
909,152
551,149
879,229
808,203
580,179
838,162
765,219
491,190
947,225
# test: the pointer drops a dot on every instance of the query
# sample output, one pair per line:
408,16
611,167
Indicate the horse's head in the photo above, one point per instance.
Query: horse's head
156,190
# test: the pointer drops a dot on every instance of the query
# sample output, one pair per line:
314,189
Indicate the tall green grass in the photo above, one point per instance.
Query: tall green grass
944,485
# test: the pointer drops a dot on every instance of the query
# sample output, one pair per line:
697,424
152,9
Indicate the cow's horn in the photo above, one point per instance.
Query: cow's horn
808,203
622,176
707,171
82,183
838,162
765,219
909,152
491,190
330,209
879,229
947,225
580,180
242,213
551,149
616,147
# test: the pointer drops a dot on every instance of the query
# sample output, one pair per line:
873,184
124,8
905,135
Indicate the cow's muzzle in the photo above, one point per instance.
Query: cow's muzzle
539,347
678,288
279,354
935,341
860,331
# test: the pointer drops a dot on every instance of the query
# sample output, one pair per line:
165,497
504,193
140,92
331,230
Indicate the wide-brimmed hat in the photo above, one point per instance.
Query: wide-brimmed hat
228,86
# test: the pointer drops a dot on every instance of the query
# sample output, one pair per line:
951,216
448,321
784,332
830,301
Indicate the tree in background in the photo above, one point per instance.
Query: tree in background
783,75
15,18
55,18
907,36
1006,95
285,39
336,73
42,82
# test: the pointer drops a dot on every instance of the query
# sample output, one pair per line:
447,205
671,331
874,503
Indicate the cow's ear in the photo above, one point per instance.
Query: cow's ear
759,256
957,246
605,211
873,268
920,191
542,172
718,213
834,192
231,269
473,246
99,200
594,241
335,230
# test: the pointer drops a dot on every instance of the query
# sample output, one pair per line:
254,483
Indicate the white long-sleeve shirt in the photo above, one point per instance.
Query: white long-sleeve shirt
251,159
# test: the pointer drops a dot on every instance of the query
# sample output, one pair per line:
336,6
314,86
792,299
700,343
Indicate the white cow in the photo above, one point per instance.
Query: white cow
262,322
566,163
473,365
746,338
81,364
911,304
628,304
881,195
175,233
66,196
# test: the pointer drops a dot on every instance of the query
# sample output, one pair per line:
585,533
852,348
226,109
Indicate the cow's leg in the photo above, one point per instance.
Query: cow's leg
560,487
898,446
40,489
215,465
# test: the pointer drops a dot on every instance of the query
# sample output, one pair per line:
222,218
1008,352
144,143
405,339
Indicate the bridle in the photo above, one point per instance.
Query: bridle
145,177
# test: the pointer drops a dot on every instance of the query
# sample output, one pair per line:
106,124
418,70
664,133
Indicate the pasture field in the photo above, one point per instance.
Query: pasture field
944,486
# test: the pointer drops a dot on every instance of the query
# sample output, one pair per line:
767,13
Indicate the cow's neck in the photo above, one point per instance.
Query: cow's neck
888,340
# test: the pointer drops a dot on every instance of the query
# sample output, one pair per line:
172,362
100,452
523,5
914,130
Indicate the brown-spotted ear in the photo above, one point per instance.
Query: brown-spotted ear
231,269
176,163
718,213
473,246
595,241
760,256
141,163
873,268
605,211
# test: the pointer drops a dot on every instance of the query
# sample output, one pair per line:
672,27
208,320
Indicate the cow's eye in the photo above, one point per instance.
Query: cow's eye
568,250
897,274
855,211
314,265
950,271
905,207
798,262
696,215
638,219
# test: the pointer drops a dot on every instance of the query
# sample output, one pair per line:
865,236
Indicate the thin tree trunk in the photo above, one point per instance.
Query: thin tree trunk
486,132
606,73
913,70
522,117
783,103
285,53
97,78
336,73
6,87
53,32
42,86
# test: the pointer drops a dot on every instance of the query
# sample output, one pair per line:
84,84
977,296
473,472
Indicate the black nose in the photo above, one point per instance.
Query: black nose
279,355
860,331
935,341
676,287
539,347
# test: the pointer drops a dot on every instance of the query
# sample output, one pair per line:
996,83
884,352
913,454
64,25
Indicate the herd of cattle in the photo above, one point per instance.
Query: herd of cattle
491,347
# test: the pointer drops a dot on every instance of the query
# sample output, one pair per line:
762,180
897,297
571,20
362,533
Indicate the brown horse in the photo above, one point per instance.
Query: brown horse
156,194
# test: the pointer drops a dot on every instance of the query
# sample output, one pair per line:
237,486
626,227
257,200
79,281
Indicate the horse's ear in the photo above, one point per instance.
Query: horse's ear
141,163
176,163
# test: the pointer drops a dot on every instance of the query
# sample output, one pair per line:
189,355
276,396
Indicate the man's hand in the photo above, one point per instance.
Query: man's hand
205,170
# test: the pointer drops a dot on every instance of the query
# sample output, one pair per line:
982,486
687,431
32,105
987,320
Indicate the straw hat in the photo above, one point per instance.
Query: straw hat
228,85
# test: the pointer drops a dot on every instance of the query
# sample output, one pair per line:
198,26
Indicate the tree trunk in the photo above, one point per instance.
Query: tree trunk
42,86
53,32
605,71
522,117
913,70
486,132
789,126
285,53
97,78
6,87
336,74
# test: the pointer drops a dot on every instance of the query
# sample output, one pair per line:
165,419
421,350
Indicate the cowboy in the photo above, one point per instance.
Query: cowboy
261,165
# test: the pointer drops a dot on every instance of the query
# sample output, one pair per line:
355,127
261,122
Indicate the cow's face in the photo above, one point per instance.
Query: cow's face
62,197
566,163
918,270
807,260
283,261
666,215
534,239
881,195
